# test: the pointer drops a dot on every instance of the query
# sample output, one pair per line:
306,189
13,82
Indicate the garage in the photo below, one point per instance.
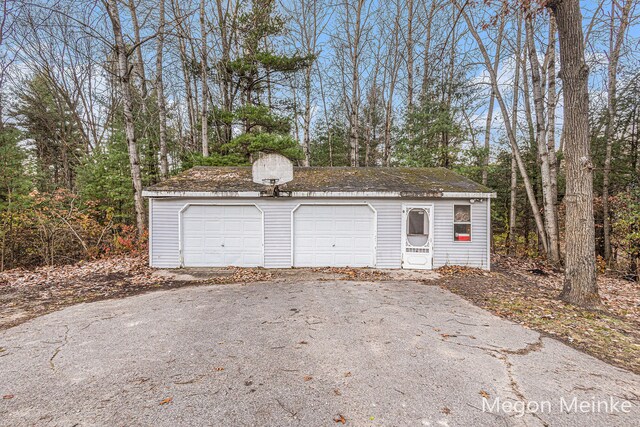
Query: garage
338,235
275,215
221,235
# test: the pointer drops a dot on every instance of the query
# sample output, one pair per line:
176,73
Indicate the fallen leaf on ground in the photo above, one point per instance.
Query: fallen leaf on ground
8,396
484,394
340,419
446,410
167,400
517,291
308,378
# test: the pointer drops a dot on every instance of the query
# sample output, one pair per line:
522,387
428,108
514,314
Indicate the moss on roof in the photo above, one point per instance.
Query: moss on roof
407,181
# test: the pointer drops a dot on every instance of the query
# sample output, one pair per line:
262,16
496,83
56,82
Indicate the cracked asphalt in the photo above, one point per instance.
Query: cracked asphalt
312,353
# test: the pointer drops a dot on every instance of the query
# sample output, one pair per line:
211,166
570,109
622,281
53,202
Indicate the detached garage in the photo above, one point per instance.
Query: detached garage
416,218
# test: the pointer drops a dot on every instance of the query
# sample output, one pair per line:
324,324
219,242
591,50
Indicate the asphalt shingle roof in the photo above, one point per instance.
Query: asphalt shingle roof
424,182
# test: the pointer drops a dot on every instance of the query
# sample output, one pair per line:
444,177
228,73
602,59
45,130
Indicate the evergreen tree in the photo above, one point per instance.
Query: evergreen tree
47,120
104,177
255,74
14,186
432,136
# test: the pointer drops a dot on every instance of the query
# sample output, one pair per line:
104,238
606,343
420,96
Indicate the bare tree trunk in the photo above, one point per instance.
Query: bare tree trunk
307,17
127,101
226,40
387,125
487,131
184,59
615,44
296,126
580,285
306,143
527,97
634,141
513,188
551,232
394,68
326,115
409,55
204,116
505,114
368,122
138,49
355,83
426,76
162,105
551,120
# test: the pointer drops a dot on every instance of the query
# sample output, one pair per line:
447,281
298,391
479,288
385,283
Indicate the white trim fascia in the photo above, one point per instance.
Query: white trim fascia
345,194
322,194
462,195
220,194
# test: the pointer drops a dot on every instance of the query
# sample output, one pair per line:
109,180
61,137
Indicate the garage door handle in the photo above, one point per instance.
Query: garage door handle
334,245
222,245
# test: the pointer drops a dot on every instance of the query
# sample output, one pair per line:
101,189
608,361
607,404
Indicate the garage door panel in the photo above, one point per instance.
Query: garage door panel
334,235
211,227
362,226
214,259
322,226
363,241
305,243
253,227
231,243
323,259
210,243
219,236
344,225
345,242
236,211
323,242
304,259
320,210
362,258
252,259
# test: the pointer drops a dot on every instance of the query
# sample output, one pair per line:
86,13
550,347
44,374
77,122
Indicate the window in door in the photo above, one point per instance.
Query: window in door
417,227
461,223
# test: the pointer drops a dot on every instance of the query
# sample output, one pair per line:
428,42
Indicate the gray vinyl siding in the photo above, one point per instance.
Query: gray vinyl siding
446,251
164,214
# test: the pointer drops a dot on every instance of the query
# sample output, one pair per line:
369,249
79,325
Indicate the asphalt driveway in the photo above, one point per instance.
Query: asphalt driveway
314,354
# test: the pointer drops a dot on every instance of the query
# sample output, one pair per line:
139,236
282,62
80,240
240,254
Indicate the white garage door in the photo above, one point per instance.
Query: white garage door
220,236
334,236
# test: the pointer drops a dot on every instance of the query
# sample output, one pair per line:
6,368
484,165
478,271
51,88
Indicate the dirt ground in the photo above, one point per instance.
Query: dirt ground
527,292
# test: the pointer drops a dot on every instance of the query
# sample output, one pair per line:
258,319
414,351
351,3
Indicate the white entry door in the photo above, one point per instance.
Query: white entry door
221,236
334,236
417,236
